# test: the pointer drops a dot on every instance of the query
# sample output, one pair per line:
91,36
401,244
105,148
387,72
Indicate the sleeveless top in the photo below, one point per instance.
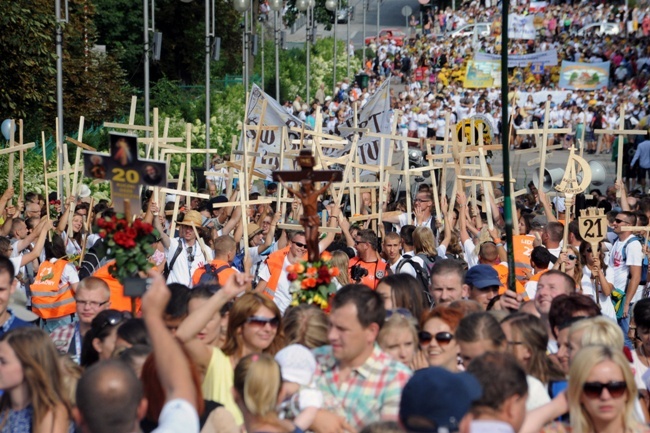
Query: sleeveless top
218,382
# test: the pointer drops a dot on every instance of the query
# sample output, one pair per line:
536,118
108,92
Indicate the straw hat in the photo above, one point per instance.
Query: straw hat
253,229
192,218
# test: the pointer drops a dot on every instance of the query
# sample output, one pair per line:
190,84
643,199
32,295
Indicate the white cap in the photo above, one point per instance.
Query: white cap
297,364
83,191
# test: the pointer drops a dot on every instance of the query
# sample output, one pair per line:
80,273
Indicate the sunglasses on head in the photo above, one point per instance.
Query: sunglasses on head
442,338
262,321
111,318
299,244
595,389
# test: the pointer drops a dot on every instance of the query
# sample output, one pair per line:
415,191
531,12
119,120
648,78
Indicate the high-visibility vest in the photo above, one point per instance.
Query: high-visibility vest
222,276
118,300
275,262
50,300
503,277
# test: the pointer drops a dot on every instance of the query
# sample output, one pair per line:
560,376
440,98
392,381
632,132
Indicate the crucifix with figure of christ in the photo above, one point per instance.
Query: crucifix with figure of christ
308,195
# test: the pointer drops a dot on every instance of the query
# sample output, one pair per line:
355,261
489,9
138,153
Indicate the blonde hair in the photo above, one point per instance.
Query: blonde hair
397,322
341,260
577,271
598,330
584,362
258,381
424,242
307,325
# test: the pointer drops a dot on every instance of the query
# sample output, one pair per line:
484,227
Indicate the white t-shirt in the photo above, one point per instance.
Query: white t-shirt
537,393
617,271
182,271
282,296
470,256
406,268
178,416
605,302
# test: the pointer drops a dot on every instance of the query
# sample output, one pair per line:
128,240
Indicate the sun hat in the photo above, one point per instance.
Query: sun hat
192,218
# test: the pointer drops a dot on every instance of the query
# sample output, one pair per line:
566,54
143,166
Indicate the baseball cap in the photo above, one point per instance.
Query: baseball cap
482,276
419,412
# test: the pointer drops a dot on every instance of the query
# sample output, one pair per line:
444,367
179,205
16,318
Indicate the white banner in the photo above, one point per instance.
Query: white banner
270,141
546,58
376,116
521,27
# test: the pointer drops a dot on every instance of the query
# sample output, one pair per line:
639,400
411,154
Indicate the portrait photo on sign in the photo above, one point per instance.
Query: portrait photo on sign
95,166
124,148
153,173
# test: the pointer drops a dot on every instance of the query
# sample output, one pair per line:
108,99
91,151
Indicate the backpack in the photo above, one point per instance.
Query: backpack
238,261
422,273
170,265
644,263
211,274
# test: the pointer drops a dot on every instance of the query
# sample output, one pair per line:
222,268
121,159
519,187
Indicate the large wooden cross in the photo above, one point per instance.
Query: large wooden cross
308,196
621,131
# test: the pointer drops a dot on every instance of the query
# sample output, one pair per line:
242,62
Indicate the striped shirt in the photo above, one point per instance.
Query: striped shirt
371,393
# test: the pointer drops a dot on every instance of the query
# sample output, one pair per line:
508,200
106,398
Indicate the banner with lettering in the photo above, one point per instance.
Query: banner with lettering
522,248
546,58
521,27
270,140
376,117
584,76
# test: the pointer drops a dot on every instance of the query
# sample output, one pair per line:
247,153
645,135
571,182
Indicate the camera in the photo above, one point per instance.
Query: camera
357,272
135,287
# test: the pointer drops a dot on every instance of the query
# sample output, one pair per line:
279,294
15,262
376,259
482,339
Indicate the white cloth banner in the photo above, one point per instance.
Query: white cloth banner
546,58
376,116
521,27
271,140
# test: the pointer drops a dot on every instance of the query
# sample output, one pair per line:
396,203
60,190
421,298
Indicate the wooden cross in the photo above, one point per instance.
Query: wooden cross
125,170
11,150
621,131
308,196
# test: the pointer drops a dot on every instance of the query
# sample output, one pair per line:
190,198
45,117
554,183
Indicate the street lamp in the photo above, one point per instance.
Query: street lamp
333,5
306,6
243,6
276,7
209,33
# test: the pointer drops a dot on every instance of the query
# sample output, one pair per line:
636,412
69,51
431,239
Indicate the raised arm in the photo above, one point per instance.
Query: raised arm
63,221
45,225
172,365
164,238
546,204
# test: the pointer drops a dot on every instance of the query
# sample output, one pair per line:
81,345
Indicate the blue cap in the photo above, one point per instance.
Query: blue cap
421,411
482,276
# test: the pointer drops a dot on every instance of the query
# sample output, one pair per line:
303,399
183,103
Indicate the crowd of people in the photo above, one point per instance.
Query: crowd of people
423,332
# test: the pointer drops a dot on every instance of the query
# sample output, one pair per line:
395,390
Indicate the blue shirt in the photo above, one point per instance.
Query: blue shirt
642,154
12,323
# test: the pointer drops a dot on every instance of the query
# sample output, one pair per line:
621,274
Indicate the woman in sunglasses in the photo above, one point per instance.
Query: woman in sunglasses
600,396
99,342
436,338
572,265
34,397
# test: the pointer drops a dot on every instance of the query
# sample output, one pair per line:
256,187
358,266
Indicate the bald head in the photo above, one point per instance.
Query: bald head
488,253
109,397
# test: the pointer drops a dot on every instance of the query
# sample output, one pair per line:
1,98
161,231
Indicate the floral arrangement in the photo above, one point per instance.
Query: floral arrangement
55,208
130,244
311,283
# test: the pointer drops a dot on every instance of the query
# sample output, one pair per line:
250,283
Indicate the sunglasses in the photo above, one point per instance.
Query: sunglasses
262,321
620,221
110,318
572,257
403,312
595,389
299,244
442,338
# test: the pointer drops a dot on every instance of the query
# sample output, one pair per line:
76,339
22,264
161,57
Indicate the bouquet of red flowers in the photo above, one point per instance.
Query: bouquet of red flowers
55,208
130,244
311,283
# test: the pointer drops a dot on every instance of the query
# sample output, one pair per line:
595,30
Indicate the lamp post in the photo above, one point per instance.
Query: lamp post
59,78
347,47
333,5
306,6
243,6
363,51
276,7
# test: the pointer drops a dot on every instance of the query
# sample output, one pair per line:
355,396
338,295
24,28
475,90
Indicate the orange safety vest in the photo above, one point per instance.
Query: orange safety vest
118,300
503,277
275,262
376,271
222,276
49,299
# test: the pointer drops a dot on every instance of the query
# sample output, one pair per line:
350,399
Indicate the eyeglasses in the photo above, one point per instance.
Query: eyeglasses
442,338
595,389
620,221
572,257
91,304
398,312
299,244
421,200
359,242
110,318
190,256
515,343
262,321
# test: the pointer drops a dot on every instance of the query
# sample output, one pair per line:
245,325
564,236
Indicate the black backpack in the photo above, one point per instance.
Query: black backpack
211,275
422,273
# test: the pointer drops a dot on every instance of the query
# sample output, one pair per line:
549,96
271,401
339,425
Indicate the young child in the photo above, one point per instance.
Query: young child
300,401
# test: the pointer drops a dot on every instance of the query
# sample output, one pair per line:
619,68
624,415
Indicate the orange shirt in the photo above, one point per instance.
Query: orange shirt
376,271
503,277
118,300
222,276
